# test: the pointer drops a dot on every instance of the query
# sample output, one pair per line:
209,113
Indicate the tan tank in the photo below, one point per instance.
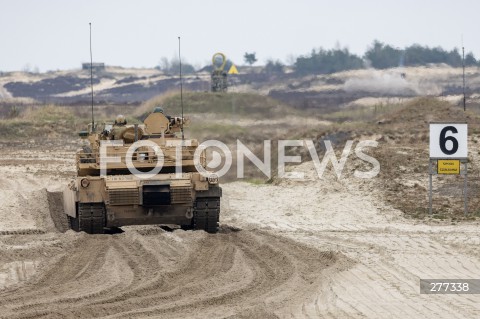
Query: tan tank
97,200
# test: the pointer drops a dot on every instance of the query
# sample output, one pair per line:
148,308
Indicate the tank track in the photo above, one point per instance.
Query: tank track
90,218
206,214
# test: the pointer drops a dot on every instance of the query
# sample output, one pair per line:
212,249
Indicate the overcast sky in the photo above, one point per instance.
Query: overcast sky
54,34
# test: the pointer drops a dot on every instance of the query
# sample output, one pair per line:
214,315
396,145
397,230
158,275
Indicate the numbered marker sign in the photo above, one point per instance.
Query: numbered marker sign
448,140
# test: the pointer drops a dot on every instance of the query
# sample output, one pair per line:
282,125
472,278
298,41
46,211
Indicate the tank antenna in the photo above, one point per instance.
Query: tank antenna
91,74
181,85
463,66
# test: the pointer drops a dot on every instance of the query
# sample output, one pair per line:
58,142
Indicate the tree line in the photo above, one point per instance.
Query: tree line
380,56
321,61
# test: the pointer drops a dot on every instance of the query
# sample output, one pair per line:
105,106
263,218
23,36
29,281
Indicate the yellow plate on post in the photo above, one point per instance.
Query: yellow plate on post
448,167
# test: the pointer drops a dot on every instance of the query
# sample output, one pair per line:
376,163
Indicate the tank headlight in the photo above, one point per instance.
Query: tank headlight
85,182
213,179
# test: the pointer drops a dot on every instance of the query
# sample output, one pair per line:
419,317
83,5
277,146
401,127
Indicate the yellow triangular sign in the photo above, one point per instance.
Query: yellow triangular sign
233,70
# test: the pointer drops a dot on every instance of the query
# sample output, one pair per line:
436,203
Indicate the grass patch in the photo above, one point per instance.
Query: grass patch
227,133
439,216
241,104
41,122
49,114
360,113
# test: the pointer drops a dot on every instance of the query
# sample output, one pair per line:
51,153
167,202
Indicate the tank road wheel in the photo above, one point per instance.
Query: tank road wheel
206,214
90,218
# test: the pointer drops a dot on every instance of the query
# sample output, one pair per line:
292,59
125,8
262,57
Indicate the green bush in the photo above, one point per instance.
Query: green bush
327,61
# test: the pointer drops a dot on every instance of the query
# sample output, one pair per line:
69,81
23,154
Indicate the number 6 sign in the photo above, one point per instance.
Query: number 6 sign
448,140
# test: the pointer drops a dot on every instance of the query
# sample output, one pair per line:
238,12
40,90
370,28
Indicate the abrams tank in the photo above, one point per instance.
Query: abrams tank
120,180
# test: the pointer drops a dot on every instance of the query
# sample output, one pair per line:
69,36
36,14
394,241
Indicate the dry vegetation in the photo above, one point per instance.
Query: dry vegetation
286,249
402,132
249,105
403,152
40,122
400,129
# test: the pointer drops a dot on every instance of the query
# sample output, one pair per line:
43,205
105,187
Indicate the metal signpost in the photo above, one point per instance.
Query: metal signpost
448,149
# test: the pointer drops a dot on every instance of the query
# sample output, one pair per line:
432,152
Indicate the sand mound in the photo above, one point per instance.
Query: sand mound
25,211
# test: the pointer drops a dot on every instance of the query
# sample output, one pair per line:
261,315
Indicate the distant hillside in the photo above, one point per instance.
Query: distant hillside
324,92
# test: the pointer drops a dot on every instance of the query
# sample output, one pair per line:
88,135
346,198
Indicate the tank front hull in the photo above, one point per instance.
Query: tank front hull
118,216
95,202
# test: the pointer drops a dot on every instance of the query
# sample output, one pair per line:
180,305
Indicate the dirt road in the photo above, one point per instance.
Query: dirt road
391,252
292,249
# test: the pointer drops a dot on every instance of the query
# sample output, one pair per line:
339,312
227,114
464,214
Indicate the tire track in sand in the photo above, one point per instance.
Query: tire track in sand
179,274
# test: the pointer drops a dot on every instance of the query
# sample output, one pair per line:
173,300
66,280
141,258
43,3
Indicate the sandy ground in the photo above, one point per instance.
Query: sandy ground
292,249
